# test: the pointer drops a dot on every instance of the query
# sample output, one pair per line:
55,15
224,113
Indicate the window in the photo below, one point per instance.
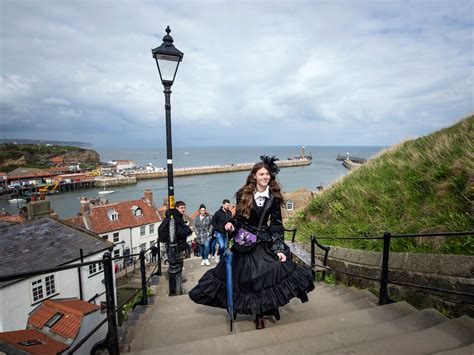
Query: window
142,231
151,228
43,288
112,214
106,237
116,237
289,206
95,268
54,319
116,253
137,211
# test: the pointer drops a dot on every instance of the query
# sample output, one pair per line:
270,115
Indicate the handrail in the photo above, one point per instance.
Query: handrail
384,272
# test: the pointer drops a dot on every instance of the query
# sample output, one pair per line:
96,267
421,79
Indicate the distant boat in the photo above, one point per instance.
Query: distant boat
106,191
16,200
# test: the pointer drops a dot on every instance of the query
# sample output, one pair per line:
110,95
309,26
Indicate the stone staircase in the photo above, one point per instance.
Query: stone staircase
336,320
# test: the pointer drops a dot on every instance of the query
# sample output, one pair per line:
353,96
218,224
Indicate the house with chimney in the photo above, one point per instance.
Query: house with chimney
45,243
56,325
131,225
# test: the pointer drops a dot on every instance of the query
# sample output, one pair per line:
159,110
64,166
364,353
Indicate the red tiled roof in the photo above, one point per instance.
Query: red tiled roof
78,221
99,222
47,346
68,326
5,217
27,172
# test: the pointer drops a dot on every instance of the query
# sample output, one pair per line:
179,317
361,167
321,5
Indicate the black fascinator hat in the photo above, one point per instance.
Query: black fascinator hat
270,163
202,205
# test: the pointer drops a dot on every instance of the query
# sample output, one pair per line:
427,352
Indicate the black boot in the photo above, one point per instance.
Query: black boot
259,322
303,297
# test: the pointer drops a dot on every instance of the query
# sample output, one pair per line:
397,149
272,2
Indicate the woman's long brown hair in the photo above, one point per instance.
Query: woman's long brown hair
245,193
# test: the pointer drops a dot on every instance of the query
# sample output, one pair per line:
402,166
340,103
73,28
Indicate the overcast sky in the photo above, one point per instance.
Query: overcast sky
254,72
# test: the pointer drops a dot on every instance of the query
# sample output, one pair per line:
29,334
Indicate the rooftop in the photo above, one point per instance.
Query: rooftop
68,323
39,343
44,243
98,221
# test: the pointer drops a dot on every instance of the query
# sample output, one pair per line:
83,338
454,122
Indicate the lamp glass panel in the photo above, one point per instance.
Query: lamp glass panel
167,66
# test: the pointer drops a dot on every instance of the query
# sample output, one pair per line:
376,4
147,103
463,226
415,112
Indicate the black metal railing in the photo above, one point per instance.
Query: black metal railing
111,342
384,279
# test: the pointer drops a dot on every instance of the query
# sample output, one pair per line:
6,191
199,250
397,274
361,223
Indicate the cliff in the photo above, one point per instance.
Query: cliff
13,156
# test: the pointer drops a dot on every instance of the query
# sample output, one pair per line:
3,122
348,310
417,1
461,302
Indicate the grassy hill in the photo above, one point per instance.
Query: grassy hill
14,156
421,185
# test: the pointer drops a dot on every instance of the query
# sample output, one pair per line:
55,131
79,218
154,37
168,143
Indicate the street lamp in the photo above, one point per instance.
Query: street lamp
167,58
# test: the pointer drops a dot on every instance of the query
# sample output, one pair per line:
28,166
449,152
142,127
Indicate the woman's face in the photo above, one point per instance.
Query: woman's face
262,176
202,211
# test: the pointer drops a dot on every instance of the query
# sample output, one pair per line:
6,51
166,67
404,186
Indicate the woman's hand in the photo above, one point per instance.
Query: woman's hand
282,257
229,227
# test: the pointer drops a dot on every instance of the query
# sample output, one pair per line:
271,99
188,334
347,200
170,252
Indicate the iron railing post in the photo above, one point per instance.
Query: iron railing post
111,341
313,257
158,272
383,292
143,273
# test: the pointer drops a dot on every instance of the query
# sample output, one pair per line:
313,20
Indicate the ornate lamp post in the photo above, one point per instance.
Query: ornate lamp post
167,58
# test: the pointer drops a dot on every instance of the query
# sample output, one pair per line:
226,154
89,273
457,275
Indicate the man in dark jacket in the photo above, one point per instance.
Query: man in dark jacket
220,218
182,230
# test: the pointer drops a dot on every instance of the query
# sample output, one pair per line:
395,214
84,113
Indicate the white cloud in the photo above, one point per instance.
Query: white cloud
338,73
56,101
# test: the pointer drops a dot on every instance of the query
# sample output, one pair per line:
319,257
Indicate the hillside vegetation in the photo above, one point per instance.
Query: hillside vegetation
419,186
14,156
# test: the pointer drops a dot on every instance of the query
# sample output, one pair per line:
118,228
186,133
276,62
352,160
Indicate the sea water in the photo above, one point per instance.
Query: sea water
213,188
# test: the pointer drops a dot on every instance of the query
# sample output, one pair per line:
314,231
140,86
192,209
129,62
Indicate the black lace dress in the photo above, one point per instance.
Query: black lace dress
261,282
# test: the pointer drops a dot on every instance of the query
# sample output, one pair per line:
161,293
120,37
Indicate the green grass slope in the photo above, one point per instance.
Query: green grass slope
422,185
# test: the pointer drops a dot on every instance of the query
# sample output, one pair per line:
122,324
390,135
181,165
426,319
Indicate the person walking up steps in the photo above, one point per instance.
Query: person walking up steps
264,279
203,230
220,218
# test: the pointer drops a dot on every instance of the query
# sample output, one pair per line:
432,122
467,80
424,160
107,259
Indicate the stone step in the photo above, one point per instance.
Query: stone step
159,332
239,342
355,335
454,333
319,294
184,305
465,350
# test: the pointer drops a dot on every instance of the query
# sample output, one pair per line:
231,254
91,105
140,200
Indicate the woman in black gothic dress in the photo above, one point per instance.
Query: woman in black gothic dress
263,278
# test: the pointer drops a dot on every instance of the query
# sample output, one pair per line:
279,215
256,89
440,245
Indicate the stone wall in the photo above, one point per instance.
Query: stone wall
449,272
118,181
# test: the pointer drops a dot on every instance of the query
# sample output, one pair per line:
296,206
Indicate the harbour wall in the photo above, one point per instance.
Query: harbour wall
217,169
115,181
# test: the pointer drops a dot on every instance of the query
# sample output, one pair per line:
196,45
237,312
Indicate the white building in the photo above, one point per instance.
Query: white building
131,225
46,243
123,164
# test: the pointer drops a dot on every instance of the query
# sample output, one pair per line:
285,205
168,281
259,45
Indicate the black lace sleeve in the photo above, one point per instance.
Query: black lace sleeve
276,228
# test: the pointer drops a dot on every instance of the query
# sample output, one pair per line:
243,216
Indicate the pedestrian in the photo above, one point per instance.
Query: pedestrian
154,252
182,230
264,279
220,218
203,230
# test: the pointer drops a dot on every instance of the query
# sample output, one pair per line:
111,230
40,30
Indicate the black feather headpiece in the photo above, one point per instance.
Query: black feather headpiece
270,162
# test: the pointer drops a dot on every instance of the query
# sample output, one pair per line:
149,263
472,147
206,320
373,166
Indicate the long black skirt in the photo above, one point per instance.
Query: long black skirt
261,282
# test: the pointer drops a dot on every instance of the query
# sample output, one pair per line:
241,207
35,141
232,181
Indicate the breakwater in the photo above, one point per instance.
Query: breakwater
216,169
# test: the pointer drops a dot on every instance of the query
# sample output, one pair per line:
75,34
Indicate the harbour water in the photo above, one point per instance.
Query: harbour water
210,189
